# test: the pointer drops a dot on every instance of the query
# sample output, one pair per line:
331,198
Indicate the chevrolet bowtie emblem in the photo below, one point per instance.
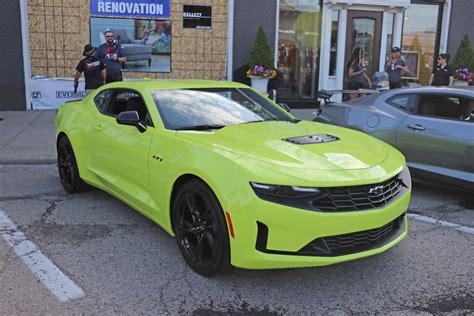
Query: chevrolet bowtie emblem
377,189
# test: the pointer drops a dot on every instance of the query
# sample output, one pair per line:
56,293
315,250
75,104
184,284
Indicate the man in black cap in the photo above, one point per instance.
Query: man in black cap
93,69
395,67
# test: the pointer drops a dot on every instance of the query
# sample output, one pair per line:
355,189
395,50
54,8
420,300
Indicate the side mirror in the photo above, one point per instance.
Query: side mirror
131,118
285,107
316,114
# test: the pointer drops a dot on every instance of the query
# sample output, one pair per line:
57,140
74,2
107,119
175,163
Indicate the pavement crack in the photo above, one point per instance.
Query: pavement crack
40,196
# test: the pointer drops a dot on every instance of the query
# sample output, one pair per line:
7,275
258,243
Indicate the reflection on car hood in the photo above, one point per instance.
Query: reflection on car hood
264,141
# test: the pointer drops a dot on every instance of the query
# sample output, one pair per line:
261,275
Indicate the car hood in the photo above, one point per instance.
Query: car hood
265,141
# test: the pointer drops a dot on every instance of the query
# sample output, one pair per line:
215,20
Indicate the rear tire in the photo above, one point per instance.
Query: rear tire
200,229
68,168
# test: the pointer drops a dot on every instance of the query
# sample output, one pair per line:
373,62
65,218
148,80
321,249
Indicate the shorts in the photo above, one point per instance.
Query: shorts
395,85
113,77
353,85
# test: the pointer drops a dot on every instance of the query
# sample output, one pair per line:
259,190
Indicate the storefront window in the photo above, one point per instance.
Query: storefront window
419,39
333,50
363,33
299,48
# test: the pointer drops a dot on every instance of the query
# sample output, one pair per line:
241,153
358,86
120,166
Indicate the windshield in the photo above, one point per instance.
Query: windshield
214,108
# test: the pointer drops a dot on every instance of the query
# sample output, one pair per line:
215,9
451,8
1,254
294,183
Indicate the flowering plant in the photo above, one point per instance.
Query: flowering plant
260,71
465,74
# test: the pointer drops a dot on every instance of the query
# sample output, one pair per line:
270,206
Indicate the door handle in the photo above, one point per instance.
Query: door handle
98,128
416,127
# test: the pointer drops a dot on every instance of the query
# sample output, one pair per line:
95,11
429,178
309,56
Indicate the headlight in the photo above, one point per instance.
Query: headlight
405,177
281,193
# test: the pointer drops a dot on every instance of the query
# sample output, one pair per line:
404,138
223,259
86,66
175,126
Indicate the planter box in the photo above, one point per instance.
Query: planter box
259,84
460,83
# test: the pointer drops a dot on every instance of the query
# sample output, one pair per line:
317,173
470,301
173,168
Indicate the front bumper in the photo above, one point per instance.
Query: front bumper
289,230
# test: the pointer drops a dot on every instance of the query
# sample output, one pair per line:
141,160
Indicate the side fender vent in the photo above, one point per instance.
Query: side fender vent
312,139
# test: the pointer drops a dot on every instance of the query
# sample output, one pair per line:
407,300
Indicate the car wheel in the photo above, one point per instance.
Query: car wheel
200,229
67,167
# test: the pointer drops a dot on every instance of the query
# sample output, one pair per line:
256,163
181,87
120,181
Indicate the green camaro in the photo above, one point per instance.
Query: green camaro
236,179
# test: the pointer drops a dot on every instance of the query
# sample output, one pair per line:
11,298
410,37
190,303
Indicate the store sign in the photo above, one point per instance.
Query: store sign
131,8
197,17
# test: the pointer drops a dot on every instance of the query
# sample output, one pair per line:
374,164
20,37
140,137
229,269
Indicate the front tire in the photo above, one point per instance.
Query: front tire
200,229
68,168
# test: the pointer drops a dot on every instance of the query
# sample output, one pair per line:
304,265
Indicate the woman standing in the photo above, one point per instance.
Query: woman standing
443,75
395,68
356,72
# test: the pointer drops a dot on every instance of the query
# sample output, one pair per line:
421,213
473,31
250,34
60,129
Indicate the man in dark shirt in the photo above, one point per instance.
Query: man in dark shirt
442,75
111,54
93,69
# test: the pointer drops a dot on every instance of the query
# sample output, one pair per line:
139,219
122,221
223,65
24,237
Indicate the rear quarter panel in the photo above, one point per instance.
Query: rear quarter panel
75,120
379,119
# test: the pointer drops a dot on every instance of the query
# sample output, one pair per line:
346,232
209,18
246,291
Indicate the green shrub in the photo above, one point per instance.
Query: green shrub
464,55
261,54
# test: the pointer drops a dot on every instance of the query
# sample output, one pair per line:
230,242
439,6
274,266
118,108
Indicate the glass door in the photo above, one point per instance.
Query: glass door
421,31
298,51
364,29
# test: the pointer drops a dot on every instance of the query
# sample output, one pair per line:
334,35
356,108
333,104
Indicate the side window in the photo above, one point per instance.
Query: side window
128,100
403,102
101,100
446,107
467,109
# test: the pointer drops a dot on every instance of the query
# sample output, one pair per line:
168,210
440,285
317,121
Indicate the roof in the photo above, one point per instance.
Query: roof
430,89
174,84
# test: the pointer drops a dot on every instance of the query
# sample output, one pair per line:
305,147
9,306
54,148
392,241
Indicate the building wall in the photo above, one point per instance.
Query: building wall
461,22
59,29
248,16
12,80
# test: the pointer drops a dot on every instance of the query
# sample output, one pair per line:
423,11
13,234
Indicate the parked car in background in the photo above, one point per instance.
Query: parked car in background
432,127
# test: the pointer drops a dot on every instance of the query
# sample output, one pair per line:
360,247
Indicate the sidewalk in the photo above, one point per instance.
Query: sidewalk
27,137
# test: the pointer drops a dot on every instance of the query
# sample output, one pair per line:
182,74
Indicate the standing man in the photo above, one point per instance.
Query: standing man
93,69
442,75
110,53
395,68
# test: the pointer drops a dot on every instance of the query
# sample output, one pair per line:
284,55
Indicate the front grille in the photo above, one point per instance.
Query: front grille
339,245
355,198
346,244
344,198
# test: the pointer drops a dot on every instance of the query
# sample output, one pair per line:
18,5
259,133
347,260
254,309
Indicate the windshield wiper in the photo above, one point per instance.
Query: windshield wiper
202,127
256,121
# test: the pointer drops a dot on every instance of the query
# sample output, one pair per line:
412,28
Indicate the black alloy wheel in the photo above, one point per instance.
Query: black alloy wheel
67,167
200,229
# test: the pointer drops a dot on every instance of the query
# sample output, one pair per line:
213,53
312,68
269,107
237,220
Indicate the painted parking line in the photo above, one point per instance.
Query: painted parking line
464,229
45,270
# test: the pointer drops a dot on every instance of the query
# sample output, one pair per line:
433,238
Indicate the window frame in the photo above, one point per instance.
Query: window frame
443,94
413,99
148,120
106,101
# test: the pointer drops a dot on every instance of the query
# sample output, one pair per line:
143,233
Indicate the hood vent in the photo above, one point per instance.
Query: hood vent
312,139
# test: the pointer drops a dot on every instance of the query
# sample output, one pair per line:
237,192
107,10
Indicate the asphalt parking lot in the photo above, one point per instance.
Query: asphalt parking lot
120,262
91,254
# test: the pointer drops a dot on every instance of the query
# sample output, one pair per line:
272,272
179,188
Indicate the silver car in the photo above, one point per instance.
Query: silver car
432,127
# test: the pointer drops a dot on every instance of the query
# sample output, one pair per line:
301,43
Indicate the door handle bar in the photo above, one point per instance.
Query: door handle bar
416,127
